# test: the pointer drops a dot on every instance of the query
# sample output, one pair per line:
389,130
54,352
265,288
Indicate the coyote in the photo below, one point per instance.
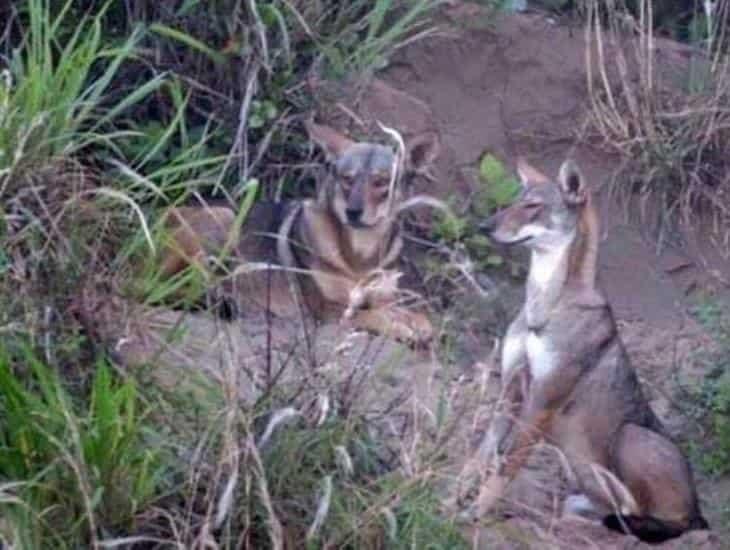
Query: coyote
325,251
567,378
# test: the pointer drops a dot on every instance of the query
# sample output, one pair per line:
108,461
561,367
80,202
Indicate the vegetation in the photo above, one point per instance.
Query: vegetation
497,189
110,111
709,403
666,120
69,469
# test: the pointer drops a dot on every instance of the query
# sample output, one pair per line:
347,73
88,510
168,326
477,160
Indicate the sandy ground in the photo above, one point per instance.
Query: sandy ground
517,86
512,86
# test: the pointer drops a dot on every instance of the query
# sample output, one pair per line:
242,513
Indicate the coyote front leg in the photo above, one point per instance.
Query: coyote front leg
513,371
529,429
542,395
395,322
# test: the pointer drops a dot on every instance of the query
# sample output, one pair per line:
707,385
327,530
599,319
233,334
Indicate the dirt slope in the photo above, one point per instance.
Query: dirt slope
517,86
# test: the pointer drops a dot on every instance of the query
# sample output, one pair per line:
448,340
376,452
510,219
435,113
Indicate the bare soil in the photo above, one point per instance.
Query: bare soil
513,86
510,86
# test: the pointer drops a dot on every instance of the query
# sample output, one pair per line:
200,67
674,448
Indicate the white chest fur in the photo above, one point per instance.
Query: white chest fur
366,244
541,359
513,353
545,264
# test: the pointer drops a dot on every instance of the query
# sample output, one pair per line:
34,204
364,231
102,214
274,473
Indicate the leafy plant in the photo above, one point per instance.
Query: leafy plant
496,189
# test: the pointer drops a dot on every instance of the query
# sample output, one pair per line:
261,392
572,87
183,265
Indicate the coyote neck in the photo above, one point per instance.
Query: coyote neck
569,264
344,249
370,248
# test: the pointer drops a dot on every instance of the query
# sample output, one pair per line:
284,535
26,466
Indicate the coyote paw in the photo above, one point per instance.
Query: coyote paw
489,494
477,496
377,289
413,330
410,328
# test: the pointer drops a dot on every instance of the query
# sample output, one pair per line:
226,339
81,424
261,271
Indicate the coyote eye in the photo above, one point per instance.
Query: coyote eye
533,209
381,183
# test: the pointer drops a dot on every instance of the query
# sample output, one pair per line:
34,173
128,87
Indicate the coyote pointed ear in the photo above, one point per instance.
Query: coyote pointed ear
421,152
572,183
332,142
528,174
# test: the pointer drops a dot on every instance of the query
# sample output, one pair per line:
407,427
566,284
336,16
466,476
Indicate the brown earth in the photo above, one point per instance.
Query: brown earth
517,86
510,86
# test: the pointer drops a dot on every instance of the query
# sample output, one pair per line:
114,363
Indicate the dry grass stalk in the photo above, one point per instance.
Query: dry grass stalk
668,119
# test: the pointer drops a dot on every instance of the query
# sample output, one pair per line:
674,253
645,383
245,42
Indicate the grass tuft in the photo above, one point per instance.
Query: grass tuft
73,467
667,119
109,113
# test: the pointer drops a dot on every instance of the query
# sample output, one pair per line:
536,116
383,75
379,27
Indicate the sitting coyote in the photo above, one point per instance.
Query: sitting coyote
567,378
327,251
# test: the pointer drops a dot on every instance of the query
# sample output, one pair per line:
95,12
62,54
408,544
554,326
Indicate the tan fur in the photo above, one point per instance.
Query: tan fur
528,173
323,248
567,377
584,255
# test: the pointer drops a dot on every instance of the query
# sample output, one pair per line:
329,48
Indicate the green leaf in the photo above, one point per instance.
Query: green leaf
450,228
500,188
188,40
494,260
491,169
504,192
255,121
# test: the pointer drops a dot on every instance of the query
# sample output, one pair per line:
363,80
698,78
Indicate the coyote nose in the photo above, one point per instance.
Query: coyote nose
353,214
489,225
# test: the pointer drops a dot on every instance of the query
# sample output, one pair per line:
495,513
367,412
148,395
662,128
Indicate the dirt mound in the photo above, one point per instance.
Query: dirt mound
509,86
513,86
516,85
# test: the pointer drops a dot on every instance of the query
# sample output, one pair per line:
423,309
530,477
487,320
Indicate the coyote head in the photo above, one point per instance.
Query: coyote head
546,214
359,189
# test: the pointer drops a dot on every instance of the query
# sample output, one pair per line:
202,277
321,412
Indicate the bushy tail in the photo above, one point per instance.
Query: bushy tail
651,530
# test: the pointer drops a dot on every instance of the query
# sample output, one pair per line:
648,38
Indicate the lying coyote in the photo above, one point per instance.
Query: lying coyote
329,247
567,378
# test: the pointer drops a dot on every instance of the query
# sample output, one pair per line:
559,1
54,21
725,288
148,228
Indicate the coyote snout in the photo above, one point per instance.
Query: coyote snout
567,378
361,177
544,216
364,185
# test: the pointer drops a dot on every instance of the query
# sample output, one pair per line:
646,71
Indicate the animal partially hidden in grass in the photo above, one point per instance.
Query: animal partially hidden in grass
567,378
329,253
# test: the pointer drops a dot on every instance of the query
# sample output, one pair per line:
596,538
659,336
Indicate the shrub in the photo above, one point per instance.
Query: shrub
671,137
710,402
496,189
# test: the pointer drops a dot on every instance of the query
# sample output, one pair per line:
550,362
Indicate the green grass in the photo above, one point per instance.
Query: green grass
385,26
52,92
110,112
71,466
368,504
710,402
